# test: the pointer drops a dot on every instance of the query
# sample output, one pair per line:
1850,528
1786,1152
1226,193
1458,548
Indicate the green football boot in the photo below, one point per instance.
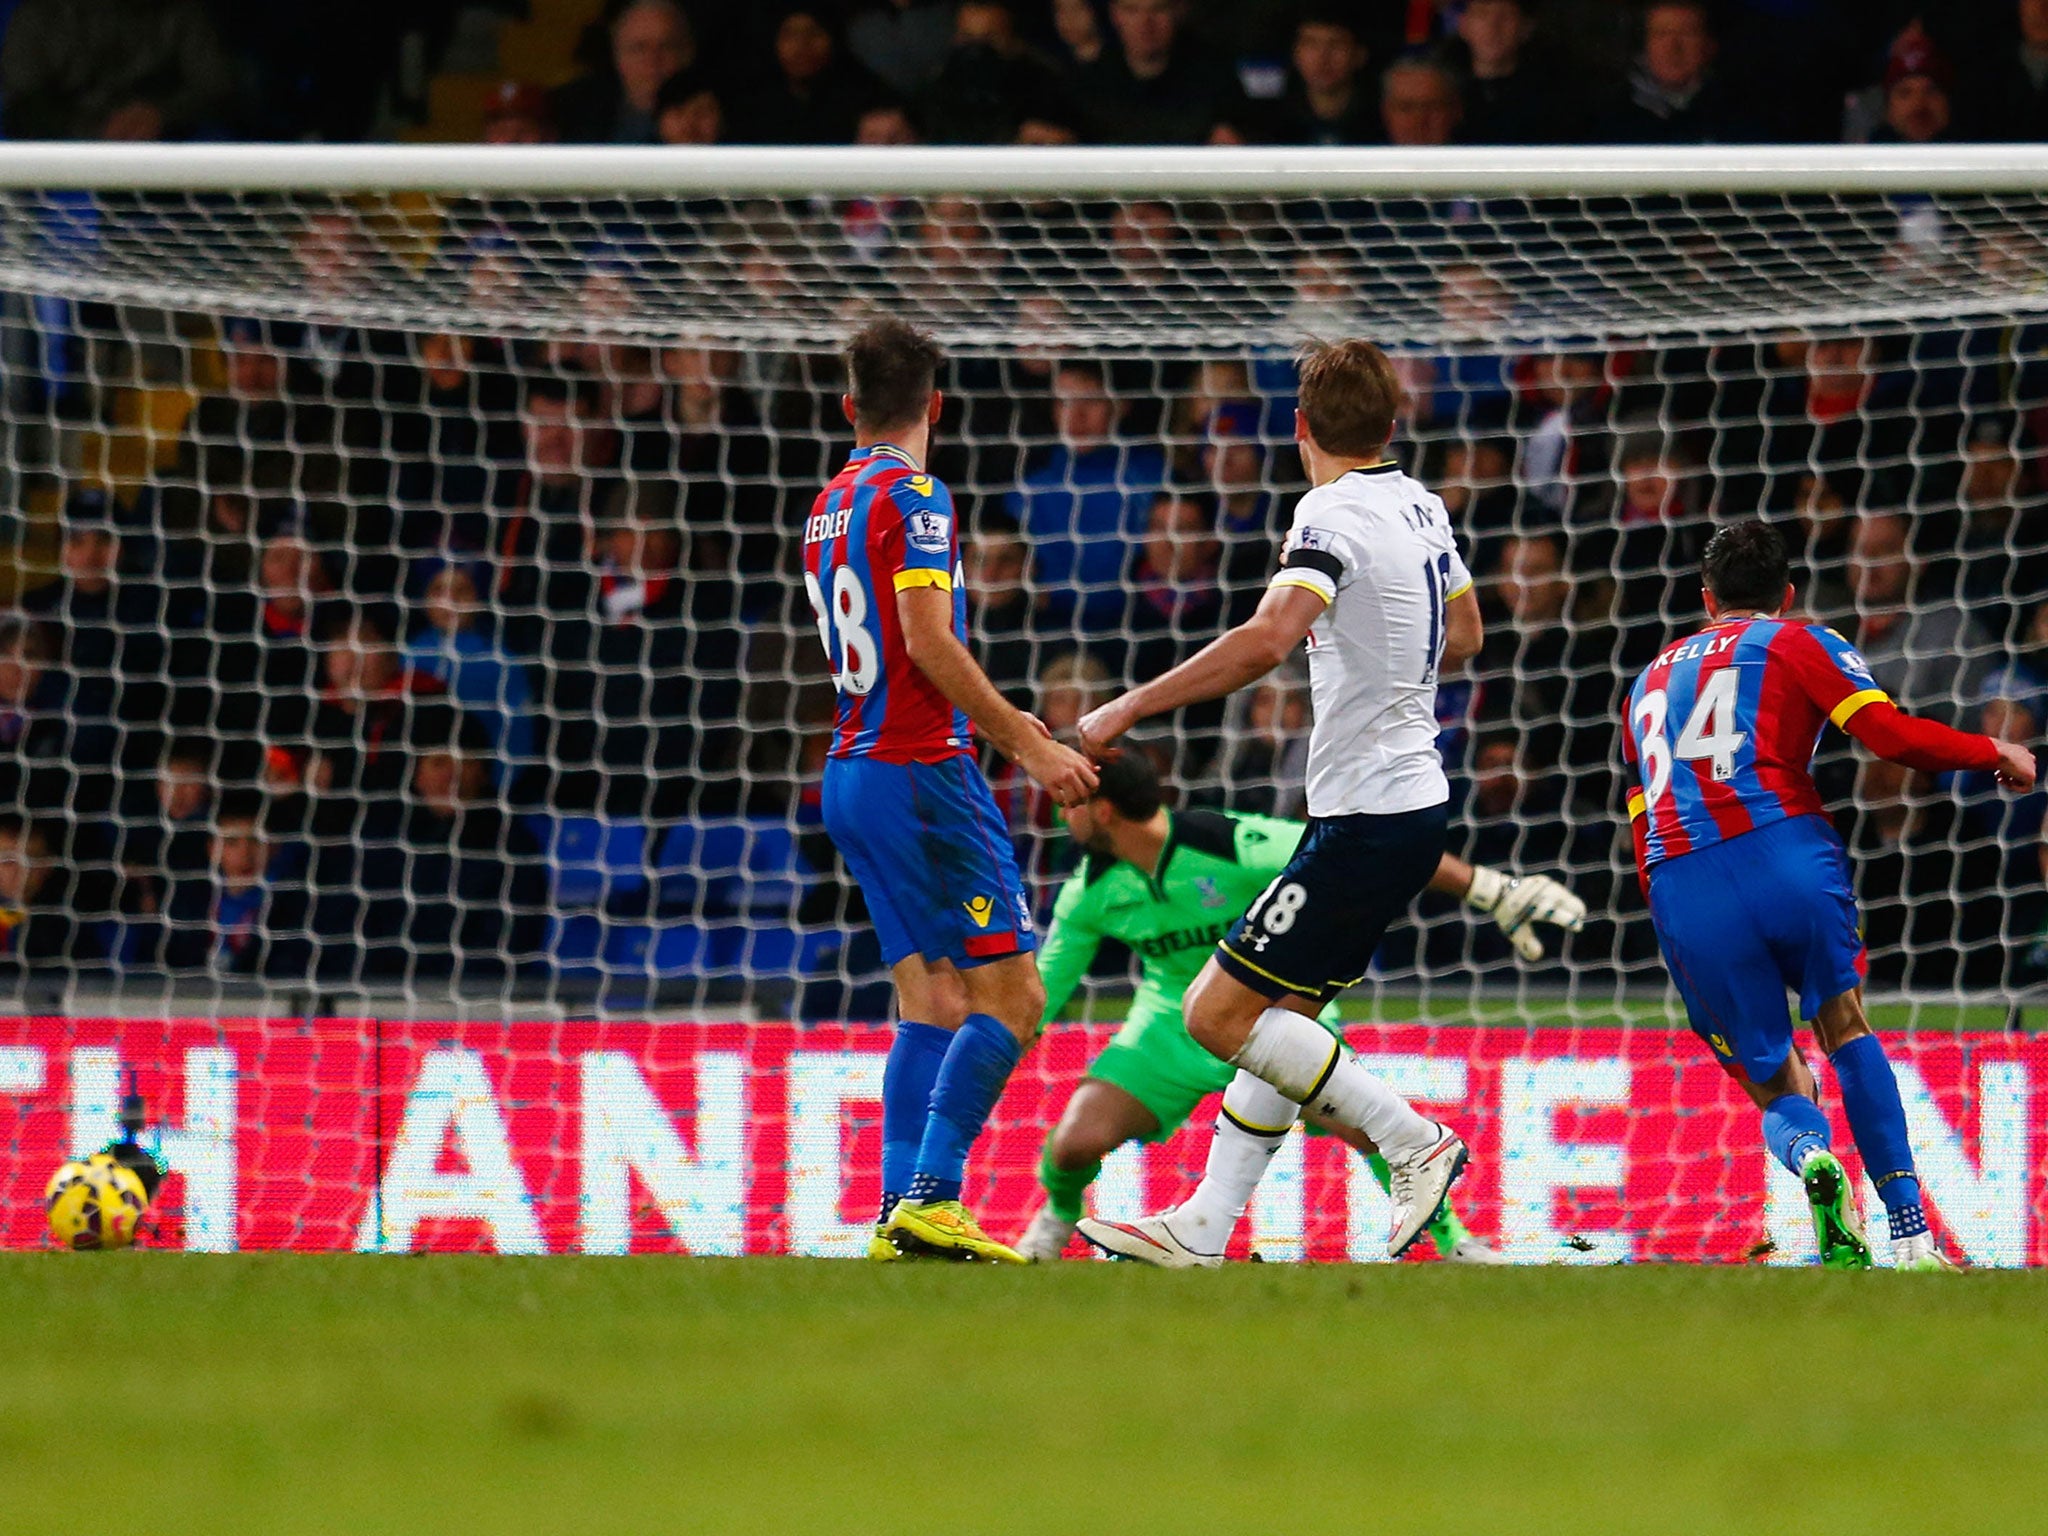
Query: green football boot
1835,1228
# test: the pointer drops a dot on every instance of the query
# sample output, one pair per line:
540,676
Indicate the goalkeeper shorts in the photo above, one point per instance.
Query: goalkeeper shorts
1156,1061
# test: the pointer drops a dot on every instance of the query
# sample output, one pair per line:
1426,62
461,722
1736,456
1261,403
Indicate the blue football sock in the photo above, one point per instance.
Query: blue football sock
1794,1129
971,1079
913,1067
1870,1097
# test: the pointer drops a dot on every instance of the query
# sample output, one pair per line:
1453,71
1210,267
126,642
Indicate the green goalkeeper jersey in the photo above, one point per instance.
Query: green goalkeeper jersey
1212,868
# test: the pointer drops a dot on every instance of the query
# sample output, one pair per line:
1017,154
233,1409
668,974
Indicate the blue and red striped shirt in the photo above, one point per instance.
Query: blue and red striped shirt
1722,727
881,526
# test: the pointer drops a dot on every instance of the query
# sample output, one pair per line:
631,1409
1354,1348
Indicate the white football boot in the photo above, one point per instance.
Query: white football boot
1046,1238
1919,1252
1418,1187
1149,1240
1475,1250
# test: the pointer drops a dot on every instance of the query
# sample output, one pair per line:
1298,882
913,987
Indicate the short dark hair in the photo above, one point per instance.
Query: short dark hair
1128,783
1745,566
1349,397
890,369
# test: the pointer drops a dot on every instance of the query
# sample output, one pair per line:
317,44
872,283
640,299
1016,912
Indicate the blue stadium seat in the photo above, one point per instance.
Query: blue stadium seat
591,859
700,858
574,942
667,949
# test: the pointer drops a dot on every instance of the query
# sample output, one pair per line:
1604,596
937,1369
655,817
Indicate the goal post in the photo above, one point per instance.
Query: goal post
411,623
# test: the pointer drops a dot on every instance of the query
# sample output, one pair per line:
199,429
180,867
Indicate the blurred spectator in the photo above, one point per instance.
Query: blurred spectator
1154,84
651,43
1838,406
1078,26
999,605
1465,386
814,94
1507,99
165,826
2007,94
109,629
1086,504
902,42
2001,540
688,110
1068,687
452,424
1674,95
885,125
456,645
548,512
114,69
2002,859
711,442
253,648
1420,105
1568,445
363,726
642,670
474,883
1328,99
39,927
519,113
1475,482
990,85
1917,83
1175,605
1928,655
1263,765
56,760
246,914
1548,665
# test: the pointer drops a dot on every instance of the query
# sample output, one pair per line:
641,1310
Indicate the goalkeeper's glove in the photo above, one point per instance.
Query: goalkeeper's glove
1516,905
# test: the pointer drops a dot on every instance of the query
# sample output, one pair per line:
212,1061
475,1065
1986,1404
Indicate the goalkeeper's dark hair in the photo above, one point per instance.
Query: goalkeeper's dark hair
1745,566
1129,784
891,369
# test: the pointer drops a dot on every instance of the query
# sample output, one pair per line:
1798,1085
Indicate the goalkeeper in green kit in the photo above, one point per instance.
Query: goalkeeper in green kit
1169,885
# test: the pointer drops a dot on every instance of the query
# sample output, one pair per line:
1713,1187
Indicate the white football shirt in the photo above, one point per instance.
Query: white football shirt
1377,547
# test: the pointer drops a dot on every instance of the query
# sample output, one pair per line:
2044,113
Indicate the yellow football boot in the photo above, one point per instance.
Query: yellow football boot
880,1249
945,1229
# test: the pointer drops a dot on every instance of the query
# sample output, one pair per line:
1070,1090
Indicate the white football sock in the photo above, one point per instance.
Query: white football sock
1297,1056
1255,1120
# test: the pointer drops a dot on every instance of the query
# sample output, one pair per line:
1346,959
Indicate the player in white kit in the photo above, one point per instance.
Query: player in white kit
1371,580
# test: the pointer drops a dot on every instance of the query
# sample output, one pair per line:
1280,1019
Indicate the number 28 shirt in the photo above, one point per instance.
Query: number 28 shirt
880,527
1722,727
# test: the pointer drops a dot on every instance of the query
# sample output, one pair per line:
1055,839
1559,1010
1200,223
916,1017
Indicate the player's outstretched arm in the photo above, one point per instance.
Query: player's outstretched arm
1928,746
1516,903
1244,655
926,614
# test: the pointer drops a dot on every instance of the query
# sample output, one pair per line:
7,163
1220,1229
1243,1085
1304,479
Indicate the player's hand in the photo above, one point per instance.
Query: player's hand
1067,776
1101,726
1516,905
2015,767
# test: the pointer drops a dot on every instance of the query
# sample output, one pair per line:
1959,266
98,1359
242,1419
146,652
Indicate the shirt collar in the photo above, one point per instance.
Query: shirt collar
884,451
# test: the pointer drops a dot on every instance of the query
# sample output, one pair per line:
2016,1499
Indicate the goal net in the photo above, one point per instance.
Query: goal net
407,622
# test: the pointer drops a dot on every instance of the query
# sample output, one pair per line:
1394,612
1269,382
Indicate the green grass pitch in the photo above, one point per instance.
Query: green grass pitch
286,1394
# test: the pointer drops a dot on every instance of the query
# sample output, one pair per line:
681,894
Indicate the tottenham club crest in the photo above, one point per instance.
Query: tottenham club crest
929,531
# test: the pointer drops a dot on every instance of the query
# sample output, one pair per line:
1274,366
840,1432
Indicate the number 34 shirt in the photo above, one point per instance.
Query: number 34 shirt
1722,728
1376,547
880,527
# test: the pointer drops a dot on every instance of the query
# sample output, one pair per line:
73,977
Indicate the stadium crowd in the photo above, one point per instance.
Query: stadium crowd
1404,72
415,657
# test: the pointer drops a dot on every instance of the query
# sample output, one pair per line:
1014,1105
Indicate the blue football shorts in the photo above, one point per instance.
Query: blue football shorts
932,854
1744,922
